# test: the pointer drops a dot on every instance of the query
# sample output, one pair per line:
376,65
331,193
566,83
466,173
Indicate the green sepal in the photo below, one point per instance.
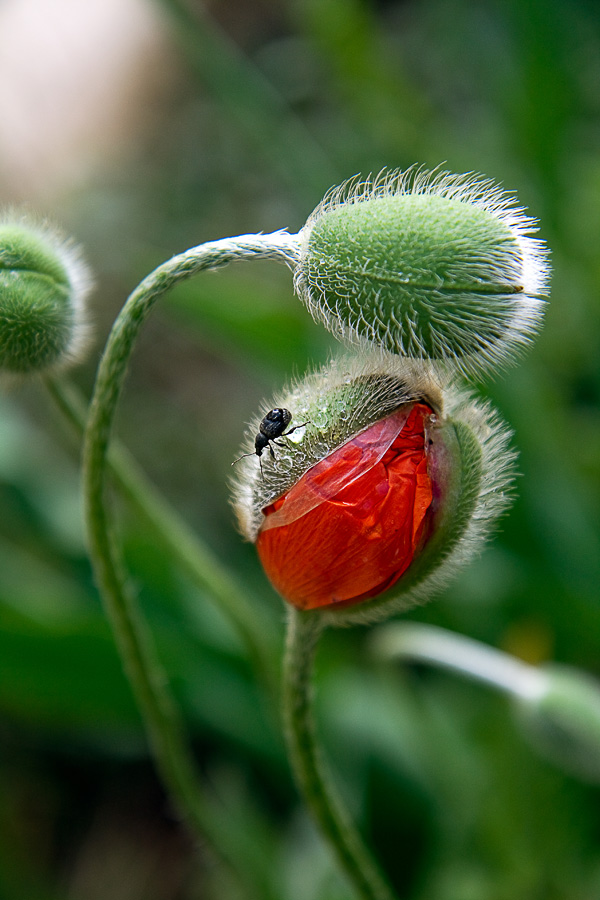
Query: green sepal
421,275
22,250
35,321
41,282
461,485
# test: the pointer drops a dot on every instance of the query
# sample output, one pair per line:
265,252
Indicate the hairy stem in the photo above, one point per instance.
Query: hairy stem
178,539
310,769
161,717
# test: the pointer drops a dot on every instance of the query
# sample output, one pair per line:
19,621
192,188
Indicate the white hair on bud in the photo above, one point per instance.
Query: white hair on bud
453,342
471,188
82,283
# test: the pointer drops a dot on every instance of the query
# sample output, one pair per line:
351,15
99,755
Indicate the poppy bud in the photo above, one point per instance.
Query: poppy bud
562,719
43,283
385,481
427,265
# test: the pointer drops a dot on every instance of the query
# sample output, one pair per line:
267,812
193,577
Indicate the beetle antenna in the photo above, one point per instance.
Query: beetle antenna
243,456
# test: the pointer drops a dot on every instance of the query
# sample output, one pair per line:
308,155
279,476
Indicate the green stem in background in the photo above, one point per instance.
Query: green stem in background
556,707
326,807
161,717
184,546
412,642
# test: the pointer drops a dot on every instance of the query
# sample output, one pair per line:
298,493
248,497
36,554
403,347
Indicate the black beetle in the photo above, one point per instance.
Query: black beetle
272,426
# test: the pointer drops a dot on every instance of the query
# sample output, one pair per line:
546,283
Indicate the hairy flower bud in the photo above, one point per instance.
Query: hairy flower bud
428,265
43,284
386,480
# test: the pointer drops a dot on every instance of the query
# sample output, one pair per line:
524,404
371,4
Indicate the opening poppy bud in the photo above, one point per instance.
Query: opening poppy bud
43,284
427,265
386,481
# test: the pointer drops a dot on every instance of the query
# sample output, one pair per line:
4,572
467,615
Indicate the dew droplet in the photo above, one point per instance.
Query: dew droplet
284,463
320,418
342,410
297,436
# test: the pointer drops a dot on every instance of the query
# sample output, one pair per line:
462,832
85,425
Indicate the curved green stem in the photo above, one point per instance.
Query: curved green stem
314,781
161,717
183,545
414,642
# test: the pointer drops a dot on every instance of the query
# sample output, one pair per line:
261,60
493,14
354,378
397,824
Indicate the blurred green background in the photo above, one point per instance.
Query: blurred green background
156,126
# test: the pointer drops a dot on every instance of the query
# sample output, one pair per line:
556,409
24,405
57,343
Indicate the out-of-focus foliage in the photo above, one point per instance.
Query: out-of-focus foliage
267,105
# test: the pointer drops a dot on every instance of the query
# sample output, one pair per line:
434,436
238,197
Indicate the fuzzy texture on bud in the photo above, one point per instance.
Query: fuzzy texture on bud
428,265
43,285
394,481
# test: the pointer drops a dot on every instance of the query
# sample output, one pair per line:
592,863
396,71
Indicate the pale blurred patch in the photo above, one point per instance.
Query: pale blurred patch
77,83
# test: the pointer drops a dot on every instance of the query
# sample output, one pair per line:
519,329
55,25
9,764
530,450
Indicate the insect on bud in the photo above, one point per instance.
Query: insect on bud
385,481
428,265
43,285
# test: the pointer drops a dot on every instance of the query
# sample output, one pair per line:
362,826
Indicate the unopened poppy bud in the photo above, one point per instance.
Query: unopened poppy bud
43,284
385,480
427,265
562,718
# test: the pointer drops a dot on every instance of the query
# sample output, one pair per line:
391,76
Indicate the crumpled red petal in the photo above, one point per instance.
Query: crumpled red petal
351,525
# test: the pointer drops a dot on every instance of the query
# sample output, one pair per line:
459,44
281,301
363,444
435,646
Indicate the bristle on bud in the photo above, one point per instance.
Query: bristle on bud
428,265
43,287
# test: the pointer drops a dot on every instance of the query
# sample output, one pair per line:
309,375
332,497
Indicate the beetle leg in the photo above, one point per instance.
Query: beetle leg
294,428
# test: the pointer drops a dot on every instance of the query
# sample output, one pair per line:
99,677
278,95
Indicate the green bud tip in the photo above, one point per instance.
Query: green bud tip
428,265
43,287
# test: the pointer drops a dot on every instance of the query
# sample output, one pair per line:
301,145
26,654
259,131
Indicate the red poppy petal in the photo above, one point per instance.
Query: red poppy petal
359,539
325,479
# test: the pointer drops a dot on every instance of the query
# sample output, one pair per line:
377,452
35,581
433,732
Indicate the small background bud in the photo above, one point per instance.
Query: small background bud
43,284
427,265
563,720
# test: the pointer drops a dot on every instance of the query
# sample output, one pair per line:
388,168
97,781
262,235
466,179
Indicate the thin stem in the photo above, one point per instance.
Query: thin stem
464,656
161,717
192,554
310,769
